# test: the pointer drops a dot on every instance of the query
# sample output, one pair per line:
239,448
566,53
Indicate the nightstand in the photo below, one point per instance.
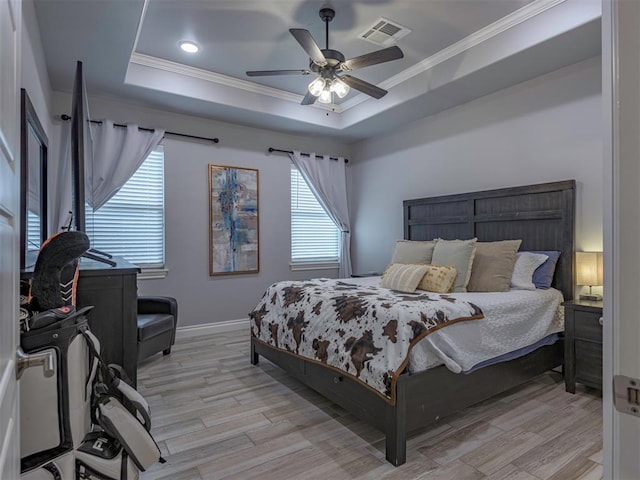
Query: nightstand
582,344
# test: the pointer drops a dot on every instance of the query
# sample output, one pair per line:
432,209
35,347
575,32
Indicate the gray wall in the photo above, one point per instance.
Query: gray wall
34,75
202,298
546,129
543,130
34,78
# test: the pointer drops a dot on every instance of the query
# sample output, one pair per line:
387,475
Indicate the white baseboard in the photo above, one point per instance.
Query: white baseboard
211,328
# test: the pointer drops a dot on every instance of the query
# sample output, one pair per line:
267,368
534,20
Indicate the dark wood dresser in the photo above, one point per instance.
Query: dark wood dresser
113,292
583,344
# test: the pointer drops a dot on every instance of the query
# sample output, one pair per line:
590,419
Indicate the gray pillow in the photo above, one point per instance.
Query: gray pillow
459,254
408,251
493,266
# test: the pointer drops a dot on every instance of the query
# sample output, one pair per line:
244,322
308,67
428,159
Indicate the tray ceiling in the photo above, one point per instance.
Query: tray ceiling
456,51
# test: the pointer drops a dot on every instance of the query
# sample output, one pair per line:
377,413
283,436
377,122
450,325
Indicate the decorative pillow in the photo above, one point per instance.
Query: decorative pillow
543,275
526,264
403,277
459,254
408,251
493,266
439,279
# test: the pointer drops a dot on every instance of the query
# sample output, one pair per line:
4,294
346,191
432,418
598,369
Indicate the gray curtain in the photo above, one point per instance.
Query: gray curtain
112,155
117,153
328,181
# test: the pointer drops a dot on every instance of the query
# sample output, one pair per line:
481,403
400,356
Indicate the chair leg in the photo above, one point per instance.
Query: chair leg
166,351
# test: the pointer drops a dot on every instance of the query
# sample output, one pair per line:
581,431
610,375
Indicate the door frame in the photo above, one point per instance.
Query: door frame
621,228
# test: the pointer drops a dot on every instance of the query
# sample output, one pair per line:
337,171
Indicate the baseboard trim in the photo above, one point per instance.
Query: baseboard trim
211,328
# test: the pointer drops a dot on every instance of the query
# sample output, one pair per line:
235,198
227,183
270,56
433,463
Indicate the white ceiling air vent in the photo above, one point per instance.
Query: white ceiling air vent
384,32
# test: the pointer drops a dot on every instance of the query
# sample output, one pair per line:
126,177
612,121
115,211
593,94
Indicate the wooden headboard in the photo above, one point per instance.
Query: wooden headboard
541,215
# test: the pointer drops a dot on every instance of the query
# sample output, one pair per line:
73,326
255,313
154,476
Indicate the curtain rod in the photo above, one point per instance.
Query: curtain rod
271,149
214,139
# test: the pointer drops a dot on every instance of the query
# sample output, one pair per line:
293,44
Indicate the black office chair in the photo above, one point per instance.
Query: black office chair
157,322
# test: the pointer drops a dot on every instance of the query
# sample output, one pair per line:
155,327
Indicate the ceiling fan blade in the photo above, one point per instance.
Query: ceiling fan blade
308,99
364,87
264,73
373,58
310,46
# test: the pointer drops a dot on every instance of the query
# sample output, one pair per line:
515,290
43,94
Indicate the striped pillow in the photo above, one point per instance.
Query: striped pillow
438,279
403,277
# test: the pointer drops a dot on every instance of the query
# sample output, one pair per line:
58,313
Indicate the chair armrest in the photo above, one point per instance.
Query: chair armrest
153,304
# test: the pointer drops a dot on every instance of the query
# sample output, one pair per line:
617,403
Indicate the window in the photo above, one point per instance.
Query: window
131,223
33,231
314,237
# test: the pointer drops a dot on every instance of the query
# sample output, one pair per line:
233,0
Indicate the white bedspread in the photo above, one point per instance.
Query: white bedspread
513,320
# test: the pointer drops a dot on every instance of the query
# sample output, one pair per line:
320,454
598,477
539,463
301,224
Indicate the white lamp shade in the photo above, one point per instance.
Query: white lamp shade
317,86
589,269
325,96
340,88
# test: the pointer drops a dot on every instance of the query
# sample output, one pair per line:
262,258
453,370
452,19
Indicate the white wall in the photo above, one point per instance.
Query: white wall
202,298
546,129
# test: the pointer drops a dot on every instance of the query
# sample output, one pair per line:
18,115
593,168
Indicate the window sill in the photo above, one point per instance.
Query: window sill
153,273
313,266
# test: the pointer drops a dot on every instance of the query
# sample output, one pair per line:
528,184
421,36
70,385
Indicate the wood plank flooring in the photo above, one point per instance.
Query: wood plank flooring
216,416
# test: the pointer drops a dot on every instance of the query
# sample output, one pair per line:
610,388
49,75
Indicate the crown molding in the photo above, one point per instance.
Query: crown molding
201,74
496,28
219,79
492,30
209,76
143,14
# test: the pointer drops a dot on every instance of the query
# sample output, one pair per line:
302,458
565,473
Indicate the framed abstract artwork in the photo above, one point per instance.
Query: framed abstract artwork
234,245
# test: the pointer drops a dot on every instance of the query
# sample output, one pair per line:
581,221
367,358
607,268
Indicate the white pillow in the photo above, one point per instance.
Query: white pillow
526,264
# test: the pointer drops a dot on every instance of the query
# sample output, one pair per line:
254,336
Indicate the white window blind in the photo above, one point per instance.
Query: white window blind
131,223
33,231
314,236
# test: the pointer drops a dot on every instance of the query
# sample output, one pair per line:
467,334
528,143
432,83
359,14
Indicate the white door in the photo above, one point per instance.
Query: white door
621,101
10,25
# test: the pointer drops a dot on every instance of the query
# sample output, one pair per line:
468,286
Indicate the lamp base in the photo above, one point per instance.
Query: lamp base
592,297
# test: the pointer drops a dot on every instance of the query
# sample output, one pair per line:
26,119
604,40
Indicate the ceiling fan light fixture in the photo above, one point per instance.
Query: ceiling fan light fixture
189,47
339,88
325,96
317,86
328,64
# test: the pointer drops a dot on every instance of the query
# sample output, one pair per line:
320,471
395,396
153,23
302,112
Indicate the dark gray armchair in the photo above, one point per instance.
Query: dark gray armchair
157,322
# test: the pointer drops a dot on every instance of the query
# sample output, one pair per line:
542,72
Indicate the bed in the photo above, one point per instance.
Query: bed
542,216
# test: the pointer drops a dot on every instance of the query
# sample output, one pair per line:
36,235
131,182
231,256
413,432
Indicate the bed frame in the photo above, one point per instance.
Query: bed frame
543,217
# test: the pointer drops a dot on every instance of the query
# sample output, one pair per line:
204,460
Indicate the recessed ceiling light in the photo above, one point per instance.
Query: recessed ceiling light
189,47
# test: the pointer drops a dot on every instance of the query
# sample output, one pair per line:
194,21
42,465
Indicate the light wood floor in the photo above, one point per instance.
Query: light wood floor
216,416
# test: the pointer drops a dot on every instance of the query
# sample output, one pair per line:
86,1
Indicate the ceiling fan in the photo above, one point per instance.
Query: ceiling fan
330,66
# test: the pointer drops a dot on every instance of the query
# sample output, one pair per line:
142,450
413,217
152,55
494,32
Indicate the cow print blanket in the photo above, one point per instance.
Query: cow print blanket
364,331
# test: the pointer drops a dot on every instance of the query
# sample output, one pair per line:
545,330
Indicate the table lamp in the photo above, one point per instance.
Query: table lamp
589,273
